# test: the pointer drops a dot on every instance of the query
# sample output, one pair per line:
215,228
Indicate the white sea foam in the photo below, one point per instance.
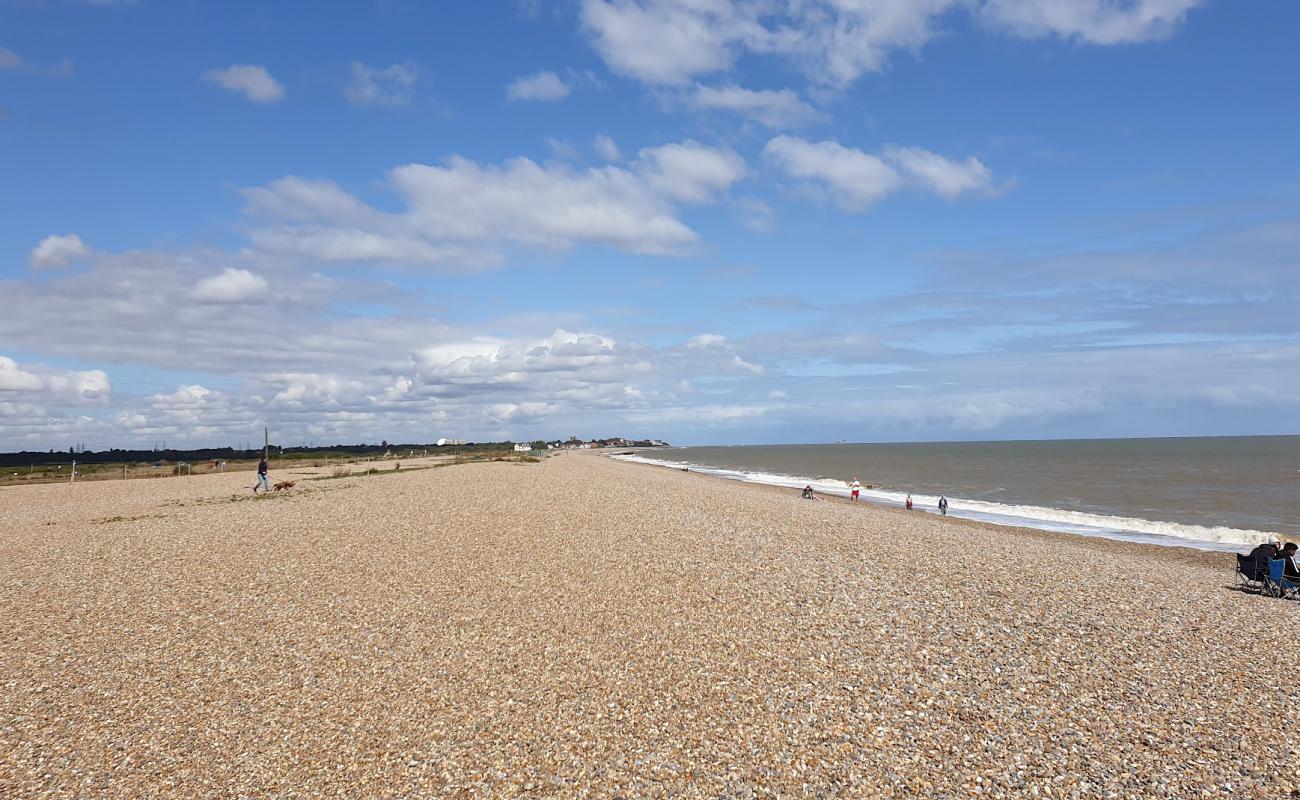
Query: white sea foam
1029,516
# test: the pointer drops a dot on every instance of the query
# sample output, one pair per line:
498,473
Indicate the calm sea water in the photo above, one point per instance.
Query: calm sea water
1221,492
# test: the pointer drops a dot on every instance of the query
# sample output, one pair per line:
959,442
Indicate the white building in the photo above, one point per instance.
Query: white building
523,448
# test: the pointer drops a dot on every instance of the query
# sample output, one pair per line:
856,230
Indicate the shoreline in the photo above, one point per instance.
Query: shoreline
1214,559
1092,529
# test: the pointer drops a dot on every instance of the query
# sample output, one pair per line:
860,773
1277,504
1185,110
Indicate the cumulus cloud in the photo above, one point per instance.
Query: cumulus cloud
671,42
544,85
77,387
231,286
390,86
943,176
773,108
857,180
461,214
251,80
57,252
664,43
689,171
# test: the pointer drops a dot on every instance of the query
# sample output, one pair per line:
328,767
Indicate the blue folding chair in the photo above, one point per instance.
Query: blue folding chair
1277,584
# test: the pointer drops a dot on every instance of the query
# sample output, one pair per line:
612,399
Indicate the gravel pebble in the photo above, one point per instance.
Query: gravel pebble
590,628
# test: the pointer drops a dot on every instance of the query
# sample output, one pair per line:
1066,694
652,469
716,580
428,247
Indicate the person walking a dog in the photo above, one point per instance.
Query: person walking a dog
262,482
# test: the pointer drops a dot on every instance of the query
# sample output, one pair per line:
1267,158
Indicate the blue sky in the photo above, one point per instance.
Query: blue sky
706,221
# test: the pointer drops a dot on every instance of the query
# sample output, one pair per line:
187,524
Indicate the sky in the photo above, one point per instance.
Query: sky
758,221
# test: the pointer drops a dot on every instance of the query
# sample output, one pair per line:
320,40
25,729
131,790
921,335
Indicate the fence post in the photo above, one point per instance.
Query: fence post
72,476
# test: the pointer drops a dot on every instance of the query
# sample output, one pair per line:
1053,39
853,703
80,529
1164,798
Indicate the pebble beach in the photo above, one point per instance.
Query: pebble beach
584,627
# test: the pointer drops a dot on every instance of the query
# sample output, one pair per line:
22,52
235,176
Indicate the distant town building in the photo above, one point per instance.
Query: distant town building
523,448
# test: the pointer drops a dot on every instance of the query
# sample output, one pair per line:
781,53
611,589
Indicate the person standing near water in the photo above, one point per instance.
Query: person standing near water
943,505
909,501
262,482
854,489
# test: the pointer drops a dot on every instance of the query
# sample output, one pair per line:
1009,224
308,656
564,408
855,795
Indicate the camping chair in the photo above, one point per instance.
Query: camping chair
1248,578
1280,586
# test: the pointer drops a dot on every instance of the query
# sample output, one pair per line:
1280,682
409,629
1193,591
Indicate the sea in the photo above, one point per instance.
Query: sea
1212,493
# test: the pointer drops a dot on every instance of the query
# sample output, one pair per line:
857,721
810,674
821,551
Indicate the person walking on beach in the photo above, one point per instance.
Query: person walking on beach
909,501
854,489
262,482
943,505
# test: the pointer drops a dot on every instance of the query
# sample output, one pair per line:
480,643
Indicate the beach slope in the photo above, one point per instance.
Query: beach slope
585,627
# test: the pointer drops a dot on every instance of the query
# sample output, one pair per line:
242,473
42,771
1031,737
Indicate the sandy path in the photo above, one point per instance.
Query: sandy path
584,627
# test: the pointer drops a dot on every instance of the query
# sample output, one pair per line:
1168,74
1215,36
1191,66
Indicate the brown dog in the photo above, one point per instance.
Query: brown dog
284,485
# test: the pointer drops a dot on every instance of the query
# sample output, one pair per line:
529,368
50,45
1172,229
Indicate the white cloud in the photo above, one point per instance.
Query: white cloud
606,148
544,85
56,252
250,80
706,340
856,180
13,379
231,286
45,384
371,86
774,109
742,365
312,371
1102,22
663,43
671,42
689,171
462,214
940,175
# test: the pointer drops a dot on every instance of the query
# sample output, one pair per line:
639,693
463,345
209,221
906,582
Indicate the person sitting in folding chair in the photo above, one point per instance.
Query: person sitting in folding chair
1261,555
1289,570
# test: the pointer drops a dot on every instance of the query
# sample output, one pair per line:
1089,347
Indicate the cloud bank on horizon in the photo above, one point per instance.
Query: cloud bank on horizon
697,220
